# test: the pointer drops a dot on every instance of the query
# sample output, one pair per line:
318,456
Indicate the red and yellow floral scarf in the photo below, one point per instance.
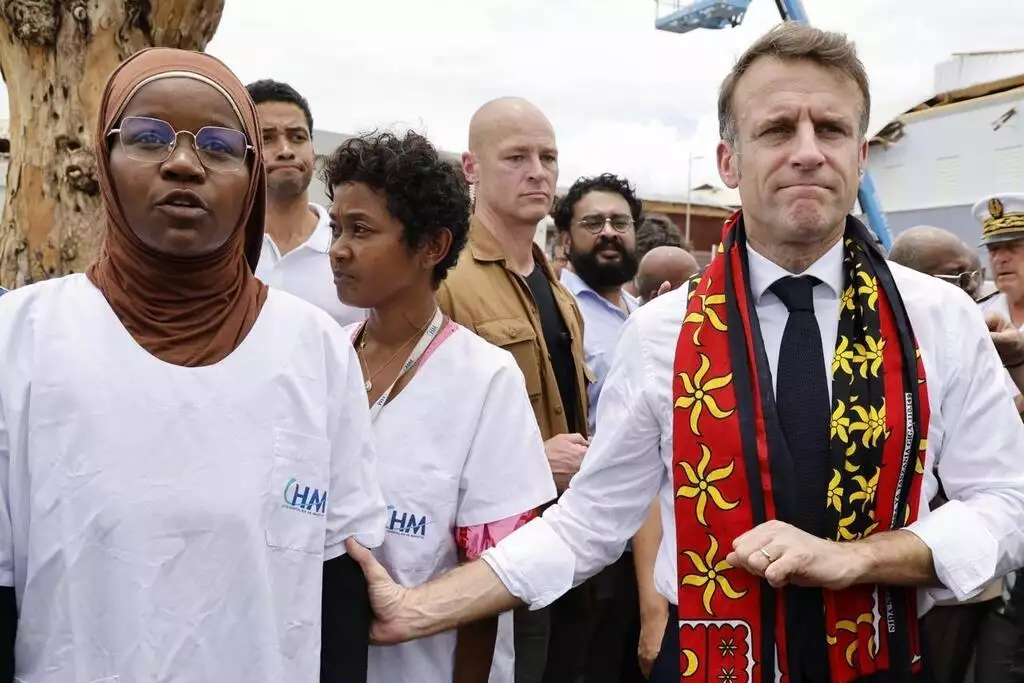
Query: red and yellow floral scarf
730,474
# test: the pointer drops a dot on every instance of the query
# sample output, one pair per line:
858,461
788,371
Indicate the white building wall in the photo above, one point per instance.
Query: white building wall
953,155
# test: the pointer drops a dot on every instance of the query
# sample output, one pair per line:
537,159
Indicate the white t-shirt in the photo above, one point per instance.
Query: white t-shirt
459,446
306,271
164,523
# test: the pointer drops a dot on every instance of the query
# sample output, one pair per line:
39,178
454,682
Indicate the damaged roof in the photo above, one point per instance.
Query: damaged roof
957,80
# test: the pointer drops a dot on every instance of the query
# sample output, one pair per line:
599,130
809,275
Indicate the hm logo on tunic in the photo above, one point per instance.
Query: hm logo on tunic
405,523
306,499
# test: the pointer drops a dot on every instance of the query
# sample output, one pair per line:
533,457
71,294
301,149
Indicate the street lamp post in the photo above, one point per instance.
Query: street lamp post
689,191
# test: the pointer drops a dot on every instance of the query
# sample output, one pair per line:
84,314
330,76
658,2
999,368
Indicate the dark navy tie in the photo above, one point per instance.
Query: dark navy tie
802,402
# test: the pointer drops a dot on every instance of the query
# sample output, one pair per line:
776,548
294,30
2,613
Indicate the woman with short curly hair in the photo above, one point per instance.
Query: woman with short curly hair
461,460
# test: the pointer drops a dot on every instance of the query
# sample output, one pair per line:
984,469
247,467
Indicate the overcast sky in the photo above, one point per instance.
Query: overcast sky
623,97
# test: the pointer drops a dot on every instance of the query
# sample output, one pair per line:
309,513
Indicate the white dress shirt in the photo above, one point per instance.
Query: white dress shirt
306,271
975,444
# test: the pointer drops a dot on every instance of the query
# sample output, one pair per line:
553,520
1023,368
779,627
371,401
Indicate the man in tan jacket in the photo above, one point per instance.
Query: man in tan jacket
504,290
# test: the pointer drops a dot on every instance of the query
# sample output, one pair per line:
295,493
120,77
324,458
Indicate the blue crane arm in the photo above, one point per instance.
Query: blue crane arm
872,209
792,10
718,14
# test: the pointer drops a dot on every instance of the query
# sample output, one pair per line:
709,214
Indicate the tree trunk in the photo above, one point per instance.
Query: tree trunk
55,57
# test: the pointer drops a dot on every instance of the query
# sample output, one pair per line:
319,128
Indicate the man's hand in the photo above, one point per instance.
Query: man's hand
565,455
392,622
653,620
785,555
464,595
1007,338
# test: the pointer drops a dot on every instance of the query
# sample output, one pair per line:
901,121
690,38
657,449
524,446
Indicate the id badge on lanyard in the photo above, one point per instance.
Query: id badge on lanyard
436,333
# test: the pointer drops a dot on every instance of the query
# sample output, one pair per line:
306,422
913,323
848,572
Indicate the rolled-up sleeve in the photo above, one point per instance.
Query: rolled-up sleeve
979,534
608,499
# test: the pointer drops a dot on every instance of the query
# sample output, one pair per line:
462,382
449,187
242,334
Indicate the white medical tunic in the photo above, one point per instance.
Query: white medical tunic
166,523
458,447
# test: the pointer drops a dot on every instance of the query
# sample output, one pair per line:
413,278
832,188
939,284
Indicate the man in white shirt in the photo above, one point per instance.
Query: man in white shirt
1002,220
707,406
298,232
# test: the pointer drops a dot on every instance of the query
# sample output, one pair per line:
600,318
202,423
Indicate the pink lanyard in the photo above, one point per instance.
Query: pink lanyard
435,335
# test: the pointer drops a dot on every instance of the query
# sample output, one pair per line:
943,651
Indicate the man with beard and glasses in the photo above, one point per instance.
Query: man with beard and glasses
596,220
298,232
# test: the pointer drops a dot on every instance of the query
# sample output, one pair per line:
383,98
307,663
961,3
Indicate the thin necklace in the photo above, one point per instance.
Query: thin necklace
362,349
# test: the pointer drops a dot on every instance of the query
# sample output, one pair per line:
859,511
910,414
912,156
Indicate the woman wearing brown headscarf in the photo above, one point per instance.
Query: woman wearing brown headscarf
182,451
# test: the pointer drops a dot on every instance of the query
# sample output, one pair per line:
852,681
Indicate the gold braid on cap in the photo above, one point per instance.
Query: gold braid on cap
1006,223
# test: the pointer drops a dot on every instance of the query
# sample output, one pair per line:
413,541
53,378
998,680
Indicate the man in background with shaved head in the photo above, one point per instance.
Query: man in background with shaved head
941,254
664,269
504,290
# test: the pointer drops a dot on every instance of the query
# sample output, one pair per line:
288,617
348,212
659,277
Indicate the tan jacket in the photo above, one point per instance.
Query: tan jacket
483,295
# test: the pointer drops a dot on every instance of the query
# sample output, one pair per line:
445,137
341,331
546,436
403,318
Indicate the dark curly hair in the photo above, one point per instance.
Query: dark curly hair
658,230
606,182
275,91
423,192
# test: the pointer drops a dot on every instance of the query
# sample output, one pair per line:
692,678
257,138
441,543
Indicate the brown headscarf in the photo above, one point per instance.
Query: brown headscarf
185,311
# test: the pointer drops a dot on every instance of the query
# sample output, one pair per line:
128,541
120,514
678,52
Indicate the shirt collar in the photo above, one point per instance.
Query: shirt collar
321,237
765,273
486,248
484,245
575,284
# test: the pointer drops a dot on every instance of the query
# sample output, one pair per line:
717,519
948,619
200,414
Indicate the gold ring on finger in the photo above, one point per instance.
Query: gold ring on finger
767,555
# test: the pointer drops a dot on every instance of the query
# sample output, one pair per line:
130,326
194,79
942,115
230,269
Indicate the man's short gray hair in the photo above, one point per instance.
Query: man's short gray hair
792,41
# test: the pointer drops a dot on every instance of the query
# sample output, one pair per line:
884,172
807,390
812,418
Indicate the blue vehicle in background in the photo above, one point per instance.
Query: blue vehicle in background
718,14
